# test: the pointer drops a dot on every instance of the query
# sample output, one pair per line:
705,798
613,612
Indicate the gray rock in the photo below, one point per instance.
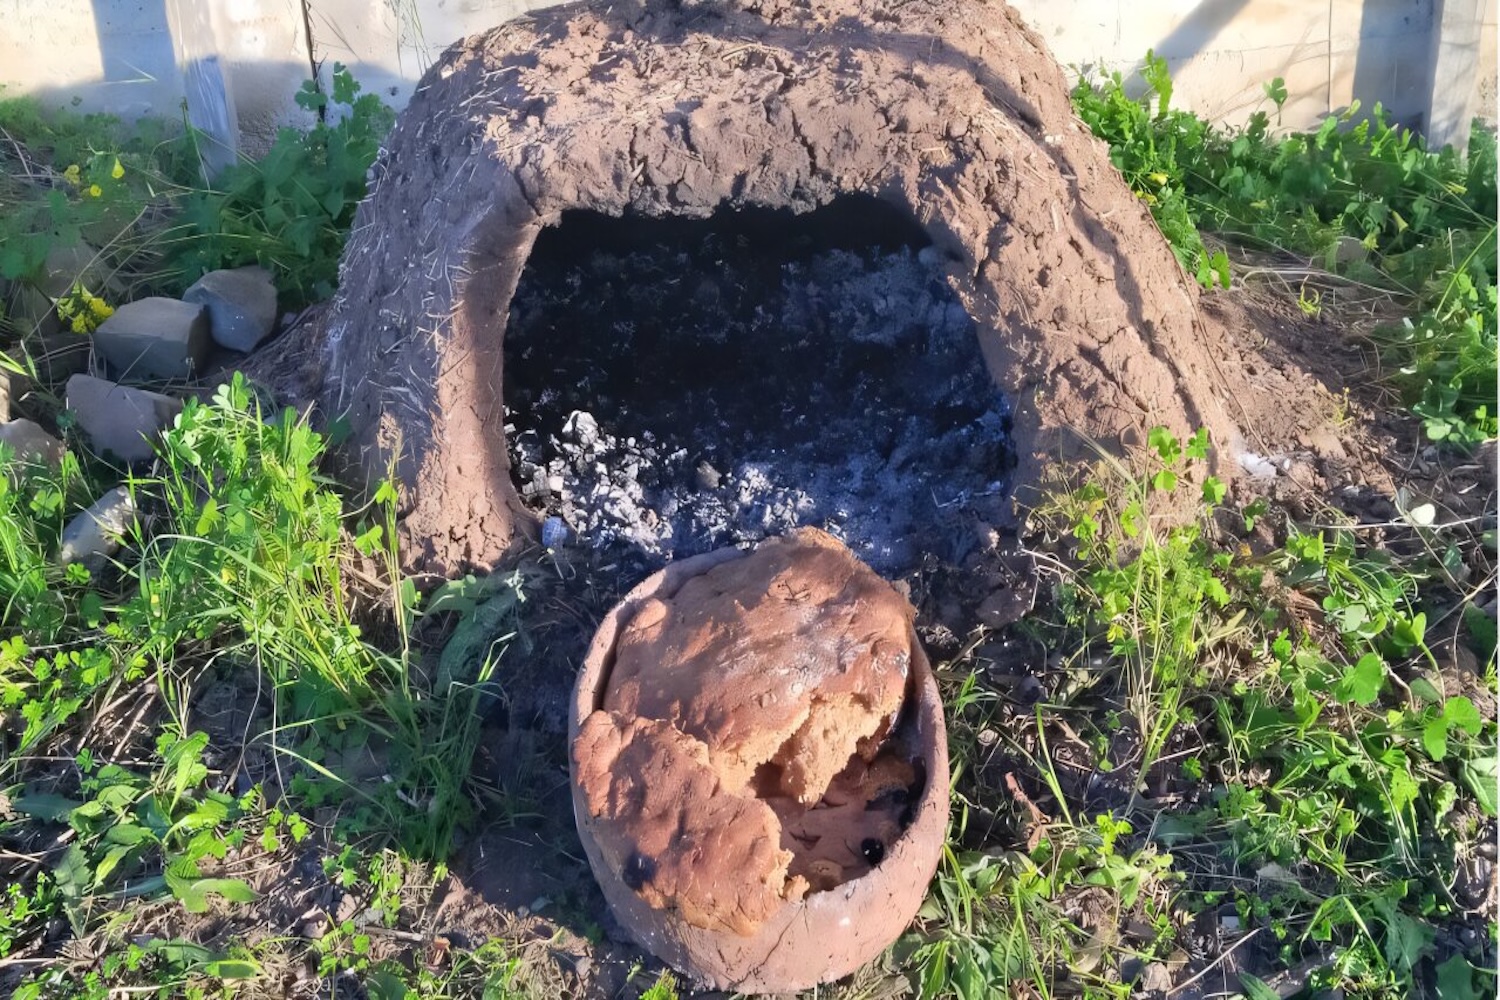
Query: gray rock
554,532
241,305
31,444
119,419
155,337
79,263
93,536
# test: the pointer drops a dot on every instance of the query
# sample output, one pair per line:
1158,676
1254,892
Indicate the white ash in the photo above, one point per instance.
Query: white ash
674,402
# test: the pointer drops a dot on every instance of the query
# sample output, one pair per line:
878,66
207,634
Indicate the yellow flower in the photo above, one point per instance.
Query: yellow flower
71,175
83,310
95,190
100,309
118,171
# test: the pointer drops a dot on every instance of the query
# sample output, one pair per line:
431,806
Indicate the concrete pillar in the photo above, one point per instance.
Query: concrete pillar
1457,37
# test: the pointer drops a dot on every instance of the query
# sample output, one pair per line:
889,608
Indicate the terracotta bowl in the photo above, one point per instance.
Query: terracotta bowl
826,935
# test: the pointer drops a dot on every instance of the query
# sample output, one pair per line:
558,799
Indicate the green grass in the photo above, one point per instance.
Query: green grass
246,572
1358,196
1320,782
136,194
249,580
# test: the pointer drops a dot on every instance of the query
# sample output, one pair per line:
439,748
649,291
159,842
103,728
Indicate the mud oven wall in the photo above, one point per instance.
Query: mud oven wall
952,111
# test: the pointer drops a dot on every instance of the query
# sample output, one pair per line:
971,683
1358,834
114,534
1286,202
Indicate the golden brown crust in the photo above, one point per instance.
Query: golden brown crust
794,655
734,706
680,838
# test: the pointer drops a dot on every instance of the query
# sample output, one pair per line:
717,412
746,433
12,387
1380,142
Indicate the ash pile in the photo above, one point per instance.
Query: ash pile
667,399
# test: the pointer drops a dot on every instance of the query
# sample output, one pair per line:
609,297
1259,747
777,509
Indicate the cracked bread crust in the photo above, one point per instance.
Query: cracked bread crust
681,839
794,656
733,707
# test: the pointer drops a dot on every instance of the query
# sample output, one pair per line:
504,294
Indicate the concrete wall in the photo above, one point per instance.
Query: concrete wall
1222,51
1426,60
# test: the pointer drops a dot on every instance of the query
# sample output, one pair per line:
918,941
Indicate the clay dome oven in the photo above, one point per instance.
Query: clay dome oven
950,113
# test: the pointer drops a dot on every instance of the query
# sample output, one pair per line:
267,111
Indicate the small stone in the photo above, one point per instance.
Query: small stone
708,478
554,535
1155,978
93,536
32,445
241,305
155,337
555,484
581,427
119,419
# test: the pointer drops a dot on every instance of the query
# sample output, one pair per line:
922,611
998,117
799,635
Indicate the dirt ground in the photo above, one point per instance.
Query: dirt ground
1327,432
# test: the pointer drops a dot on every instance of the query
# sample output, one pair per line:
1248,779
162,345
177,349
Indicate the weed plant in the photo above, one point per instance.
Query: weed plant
240,570
1045,916
137,194
1358,195
1329,780
291,210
